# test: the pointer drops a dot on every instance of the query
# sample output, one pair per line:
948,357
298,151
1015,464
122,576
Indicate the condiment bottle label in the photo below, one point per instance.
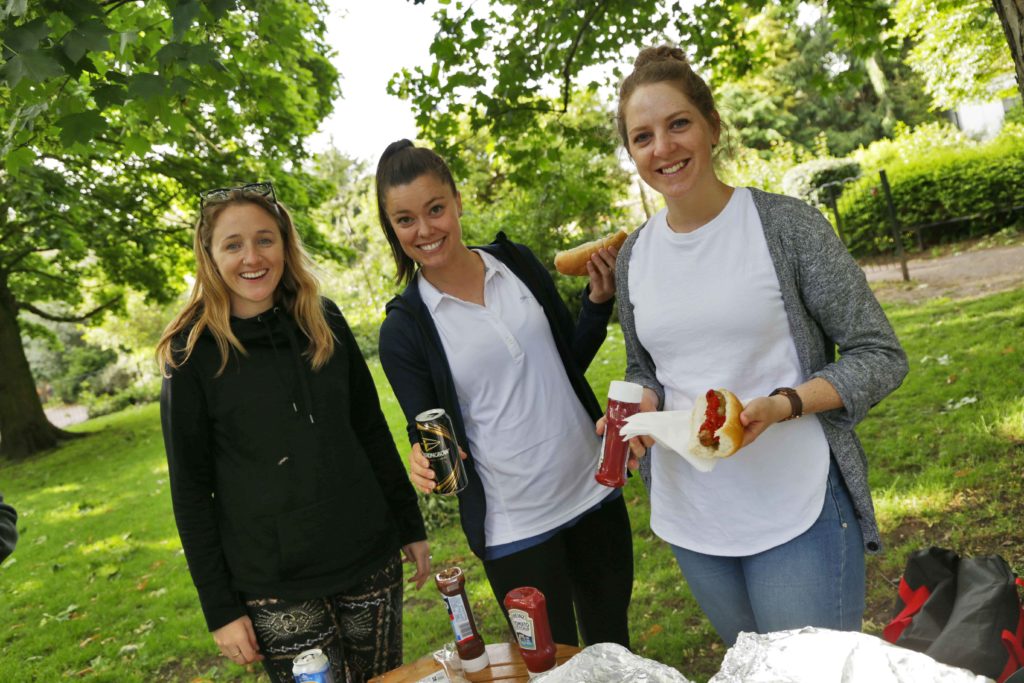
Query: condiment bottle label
458,615
522,624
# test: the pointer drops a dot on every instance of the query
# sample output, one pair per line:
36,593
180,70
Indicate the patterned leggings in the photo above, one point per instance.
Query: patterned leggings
360,629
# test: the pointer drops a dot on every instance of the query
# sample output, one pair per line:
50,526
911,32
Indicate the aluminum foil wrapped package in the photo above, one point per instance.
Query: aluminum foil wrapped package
816,655
610,663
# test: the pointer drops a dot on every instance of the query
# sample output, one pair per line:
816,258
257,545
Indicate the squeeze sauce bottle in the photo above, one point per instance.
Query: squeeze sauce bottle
452,584
623,401
528,612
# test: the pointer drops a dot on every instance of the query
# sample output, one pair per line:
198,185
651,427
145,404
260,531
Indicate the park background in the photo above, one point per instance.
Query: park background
116,114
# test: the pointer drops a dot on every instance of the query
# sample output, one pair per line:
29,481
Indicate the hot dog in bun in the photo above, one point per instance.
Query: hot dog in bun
715,428
574,261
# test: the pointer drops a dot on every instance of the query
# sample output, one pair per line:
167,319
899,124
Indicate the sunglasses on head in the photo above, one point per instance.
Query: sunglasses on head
264,189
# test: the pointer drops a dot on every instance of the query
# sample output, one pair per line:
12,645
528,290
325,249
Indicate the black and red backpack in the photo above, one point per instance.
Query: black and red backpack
964,612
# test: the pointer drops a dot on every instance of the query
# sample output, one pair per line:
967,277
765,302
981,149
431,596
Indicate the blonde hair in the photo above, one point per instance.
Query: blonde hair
666,64
209,304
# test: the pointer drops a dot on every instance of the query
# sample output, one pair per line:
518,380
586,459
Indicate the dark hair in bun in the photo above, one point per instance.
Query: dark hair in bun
666,64
400,164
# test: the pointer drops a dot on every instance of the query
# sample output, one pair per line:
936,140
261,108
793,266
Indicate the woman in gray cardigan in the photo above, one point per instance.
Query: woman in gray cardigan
750,291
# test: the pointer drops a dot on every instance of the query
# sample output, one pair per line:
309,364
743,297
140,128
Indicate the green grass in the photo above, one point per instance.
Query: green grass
98,588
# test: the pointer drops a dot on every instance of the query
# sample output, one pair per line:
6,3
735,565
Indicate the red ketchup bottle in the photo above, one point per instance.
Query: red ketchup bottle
528,612
452,584
623,401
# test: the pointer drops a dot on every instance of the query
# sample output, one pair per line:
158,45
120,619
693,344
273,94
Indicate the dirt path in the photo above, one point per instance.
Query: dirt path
962,275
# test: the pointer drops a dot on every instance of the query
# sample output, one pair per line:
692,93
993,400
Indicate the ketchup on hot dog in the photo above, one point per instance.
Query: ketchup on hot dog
714,418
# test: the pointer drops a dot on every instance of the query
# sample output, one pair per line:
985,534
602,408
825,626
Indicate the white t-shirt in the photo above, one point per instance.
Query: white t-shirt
709,311
533,443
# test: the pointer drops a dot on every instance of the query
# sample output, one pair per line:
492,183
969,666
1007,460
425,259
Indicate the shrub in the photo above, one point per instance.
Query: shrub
909,145
977,184
805,180
136,394
764,169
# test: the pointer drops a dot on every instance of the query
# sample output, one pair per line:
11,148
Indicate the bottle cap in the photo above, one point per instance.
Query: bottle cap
477,663
626,392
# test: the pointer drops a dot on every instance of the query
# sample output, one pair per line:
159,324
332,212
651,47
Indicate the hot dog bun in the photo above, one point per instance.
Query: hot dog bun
574,261
729,436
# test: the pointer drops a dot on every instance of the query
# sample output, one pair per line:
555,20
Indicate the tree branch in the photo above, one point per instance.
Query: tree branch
566,75
11,229
69,319
17,258
110,6
39,273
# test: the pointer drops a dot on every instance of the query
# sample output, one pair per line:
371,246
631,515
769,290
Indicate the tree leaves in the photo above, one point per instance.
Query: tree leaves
81,128
183,15
34,65
25,37
145,86
18,159
520,66
90,36
14,8
112,117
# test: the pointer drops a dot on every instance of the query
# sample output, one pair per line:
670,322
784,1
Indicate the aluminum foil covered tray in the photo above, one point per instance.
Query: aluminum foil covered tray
610,663
814,655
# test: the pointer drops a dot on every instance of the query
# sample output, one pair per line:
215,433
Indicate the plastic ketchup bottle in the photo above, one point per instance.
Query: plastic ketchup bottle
623,401
452,584
528,612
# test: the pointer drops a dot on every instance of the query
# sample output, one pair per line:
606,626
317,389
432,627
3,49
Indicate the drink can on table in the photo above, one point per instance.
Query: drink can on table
312,666
437,441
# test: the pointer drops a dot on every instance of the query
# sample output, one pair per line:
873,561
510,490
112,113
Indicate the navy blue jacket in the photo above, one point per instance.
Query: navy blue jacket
414,360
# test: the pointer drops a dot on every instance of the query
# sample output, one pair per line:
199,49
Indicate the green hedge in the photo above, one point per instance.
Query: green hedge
976,183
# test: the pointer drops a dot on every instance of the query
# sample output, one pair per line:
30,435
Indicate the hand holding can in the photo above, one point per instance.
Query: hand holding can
440,447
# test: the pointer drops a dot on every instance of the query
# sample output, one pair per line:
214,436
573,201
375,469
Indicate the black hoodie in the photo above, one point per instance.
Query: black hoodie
285,482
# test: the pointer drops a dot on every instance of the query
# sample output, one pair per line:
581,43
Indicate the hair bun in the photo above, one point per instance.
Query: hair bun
662,53
395,147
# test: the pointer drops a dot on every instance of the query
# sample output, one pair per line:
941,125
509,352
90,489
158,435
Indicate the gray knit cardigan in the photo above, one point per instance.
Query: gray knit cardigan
828,304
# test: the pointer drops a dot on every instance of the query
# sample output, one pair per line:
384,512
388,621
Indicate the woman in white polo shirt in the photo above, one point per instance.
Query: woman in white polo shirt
483,333
738,288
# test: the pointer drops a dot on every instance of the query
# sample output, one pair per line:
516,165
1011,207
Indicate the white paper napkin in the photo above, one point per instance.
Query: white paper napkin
671,430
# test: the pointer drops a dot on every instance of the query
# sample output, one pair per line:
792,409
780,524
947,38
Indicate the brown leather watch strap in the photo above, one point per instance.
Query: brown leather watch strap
794,401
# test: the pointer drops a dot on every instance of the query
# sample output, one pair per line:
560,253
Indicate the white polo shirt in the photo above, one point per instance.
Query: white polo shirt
709,311
533,443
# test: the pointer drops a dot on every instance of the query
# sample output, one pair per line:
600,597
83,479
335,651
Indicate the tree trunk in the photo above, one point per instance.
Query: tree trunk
1011,14
24,429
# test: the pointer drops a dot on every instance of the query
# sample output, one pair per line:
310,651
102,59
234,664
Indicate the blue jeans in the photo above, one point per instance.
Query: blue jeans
816,579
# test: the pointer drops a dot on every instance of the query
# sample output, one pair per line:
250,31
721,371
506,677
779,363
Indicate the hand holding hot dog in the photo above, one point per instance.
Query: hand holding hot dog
574,261
817,396
601,269
761,413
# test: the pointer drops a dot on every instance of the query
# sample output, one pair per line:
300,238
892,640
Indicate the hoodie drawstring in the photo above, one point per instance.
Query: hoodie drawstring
296,355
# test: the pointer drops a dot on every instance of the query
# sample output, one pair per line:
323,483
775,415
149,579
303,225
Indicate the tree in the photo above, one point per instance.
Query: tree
114,114
959,48
810,85
521,60
1011,16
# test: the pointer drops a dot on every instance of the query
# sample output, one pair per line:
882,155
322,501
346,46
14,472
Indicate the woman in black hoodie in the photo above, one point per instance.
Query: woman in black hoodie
291,501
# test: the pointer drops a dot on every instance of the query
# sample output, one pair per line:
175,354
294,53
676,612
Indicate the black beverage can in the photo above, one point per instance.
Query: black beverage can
439,447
